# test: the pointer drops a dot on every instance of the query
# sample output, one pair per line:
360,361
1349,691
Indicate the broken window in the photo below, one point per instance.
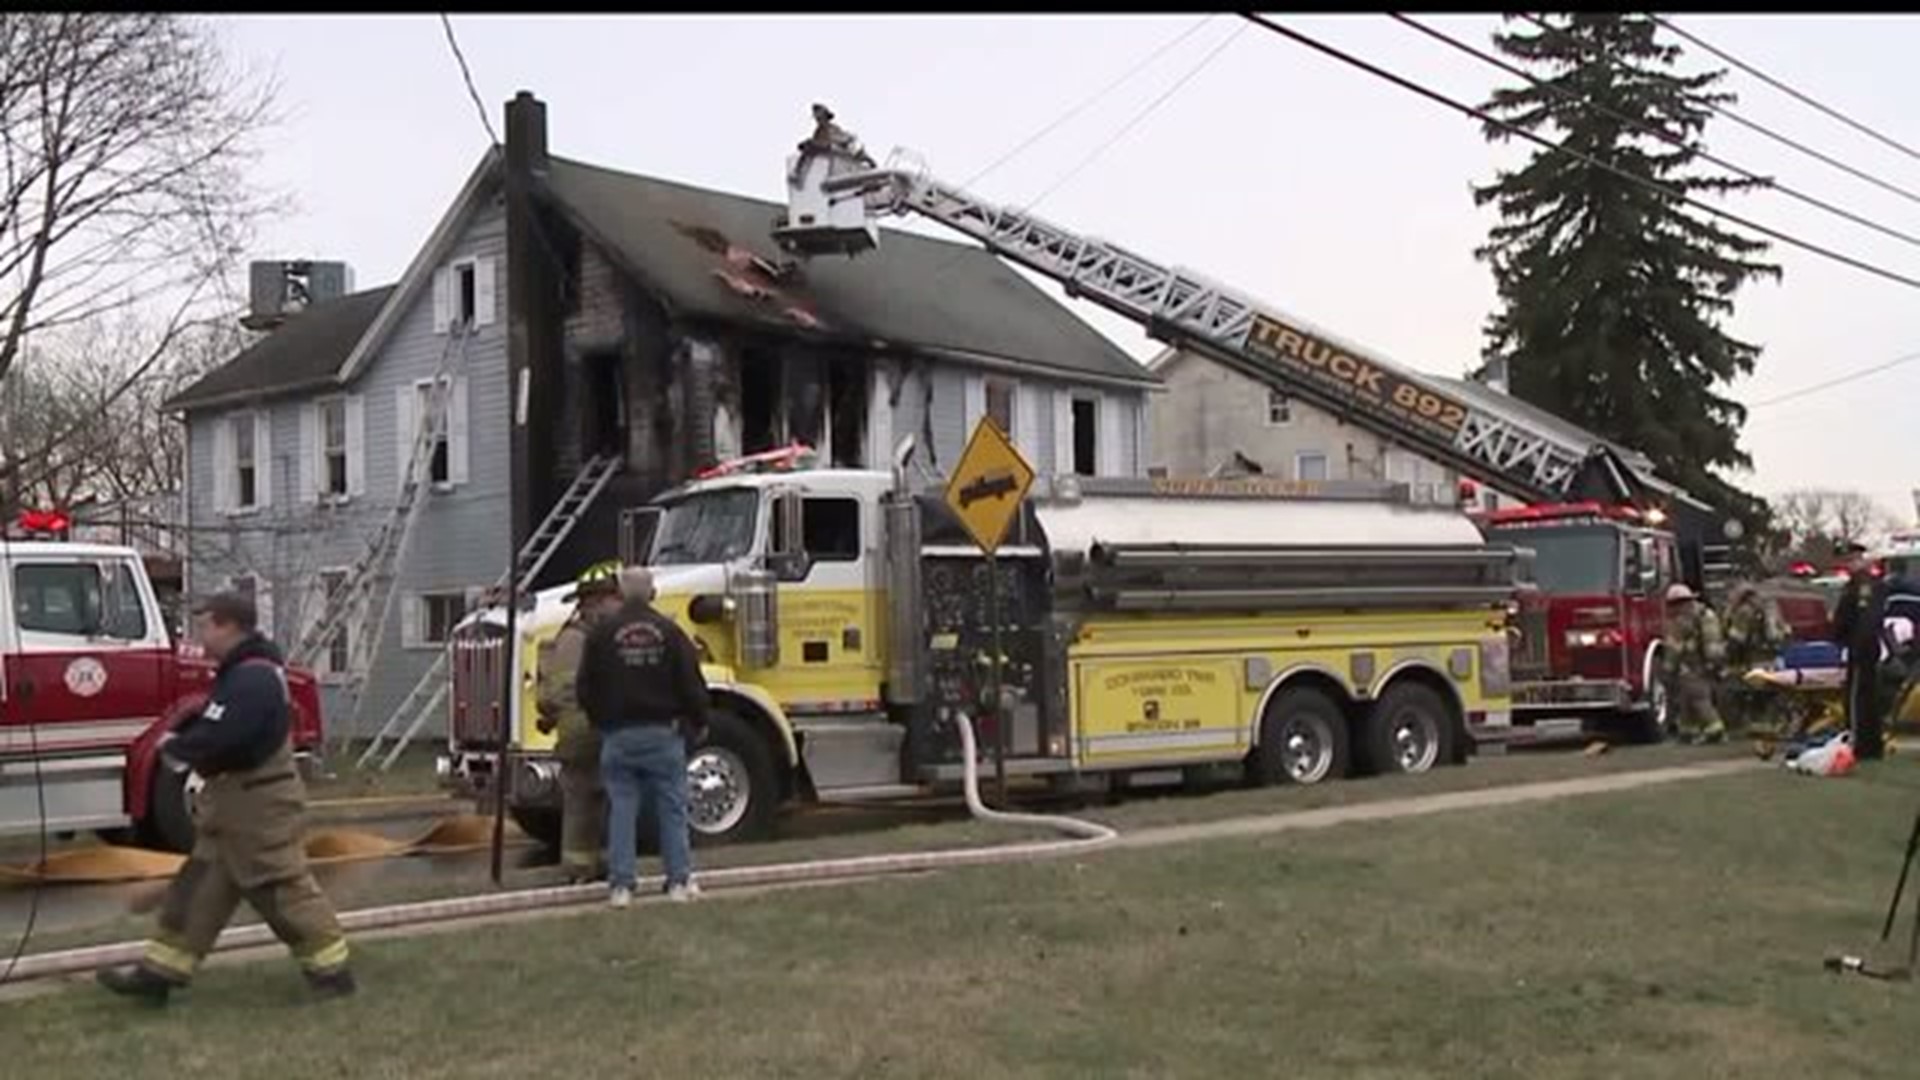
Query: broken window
466,293
245,463
761,426
847,414
1086,436
438,471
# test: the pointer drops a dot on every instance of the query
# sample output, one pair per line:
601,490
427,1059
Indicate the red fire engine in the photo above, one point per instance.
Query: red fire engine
90,679
1590,628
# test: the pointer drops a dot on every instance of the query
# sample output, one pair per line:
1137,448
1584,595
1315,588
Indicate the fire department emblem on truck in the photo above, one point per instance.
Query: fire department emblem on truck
86,677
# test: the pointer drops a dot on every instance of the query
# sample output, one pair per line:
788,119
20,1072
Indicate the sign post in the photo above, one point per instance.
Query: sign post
985,492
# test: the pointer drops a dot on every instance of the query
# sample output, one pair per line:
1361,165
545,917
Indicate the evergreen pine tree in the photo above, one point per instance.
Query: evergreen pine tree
1613,294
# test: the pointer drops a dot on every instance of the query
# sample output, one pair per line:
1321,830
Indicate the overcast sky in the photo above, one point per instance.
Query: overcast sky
1334,195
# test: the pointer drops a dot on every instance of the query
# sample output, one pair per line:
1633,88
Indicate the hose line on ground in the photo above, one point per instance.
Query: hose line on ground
1080,836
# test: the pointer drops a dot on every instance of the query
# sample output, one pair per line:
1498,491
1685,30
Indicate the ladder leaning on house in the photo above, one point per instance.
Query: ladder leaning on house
430,691
370,582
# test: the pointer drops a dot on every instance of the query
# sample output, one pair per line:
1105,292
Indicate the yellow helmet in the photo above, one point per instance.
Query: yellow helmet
598,579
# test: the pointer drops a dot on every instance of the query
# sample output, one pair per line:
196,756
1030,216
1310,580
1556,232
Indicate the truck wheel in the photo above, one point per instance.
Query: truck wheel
541,823
1409,730
1303,740
732,790
1653,721
169,822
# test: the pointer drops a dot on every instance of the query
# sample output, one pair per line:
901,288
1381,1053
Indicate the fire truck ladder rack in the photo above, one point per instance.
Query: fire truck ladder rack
828,189
371,581
430,691
1194,578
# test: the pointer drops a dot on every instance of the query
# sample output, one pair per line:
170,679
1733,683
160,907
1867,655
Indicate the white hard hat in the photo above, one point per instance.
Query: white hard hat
1679,591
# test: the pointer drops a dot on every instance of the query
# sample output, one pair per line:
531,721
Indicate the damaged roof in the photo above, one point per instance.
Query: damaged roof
306,350
710,254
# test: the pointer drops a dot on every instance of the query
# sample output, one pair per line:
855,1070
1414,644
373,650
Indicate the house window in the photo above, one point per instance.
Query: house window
340,649
1279,409
439,464
1310,465
1086,436
466,295
246,473
1000,404
333,447
439,614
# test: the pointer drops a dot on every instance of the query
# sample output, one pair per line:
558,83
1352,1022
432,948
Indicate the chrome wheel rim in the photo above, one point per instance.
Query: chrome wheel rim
1416,743
718,790
1660,707
1306,746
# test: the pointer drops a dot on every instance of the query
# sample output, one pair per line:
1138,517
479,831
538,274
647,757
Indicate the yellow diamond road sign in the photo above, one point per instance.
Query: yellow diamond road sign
988,485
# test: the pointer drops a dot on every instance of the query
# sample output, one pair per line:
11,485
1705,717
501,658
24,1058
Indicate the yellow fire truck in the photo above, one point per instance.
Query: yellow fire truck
1148,629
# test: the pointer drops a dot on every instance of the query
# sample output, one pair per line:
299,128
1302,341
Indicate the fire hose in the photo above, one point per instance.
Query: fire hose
1079,835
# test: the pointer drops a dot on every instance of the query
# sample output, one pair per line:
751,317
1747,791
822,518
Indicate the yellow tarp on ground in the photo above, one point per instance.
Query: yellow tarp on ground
110,863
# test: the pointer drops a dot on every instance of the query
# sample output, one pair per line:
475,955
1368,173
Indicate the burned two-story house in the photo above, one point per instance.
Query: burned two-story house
572,311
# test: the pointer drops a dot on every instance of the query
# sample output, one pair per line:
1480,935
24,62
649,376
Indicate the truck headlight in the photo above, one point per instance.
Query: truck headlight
1605,638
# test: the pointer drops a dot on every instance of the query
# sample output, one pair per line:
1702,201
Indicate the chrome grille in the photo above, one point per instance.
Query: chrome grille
478,716
1530,656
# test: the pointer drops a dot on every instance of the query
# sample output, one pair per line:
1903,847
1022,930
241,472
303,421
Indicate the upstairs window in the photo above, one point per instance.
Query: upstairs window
1279,409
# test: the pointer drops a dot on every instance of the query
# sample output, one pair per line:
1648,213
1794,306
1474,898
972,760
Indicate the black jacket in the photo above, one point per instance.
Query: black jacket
246,718
640,668
1856,619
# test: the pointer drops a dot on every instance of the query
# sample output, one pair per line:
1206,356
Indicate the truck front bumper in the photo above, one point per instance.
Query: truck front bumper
1565,696
533,780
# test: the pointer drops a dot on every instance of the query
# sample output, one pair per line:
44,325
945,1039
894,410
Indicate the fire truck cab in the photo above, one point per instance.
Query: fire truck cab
90,680
1591,623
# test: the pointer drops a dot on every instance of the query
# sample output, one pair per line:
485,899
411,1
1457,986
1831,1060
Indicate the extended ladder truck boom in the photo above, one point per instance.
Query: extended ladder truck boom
834,194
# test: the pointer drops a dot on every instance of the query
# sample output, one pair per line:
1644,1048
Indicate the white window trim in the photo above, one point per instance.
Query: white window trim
1284,397
1301,456
262,426
413,624
318,461
446,293
319,600
456,433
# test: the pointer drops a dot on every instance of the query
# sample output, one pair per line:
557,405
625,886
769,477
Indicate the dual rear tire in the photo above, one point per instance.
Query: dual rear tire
1306,737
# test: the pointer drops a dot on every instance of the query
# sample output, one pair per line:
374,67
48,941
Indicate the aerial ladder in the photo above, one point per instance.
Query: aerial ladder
835,194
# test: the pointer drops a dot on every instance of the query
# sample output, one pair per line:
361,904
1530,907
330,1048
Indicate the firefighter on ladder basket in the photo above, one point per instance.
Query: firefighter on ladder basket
583,806
250,821
1695,652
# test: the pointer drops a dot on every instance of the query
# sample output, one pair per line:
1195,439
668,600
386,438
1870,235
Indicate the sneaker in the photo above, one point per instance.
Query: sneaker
135,982
620,899
684,893
333,984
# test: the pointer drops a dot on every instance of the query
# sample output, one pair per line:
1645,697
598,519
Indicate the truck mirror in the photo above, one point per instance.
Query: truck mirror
790,566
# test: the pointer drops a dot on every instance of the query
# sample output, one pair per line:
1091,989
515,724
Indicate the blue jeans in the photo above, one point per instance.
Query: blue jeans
645,760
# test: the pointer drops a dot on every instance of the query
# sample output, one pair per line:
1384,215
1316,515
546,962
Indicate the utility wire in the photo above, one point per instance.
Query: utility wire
1790,143
1654,130
466,75
1090,100
1839,380
1136,120
1487,118
1790,91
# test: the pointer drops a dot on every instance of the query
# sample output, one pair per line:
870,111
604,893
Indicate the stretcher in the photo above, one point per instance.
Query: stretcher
1806,696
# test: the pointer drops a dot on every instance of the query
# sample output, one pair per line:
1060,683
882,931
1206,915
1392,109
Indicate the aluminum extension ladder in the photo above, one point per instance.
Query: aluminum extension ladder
430,691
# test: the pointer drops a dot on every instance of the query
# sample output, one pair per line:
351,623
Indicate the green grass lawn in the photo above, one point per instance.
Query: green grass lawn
1673,931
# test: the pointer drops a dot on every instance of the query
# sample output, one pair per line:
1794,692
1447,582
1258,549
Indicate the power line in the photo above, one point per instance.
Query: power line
1137,119
1088,102
1839,380
466,75
1487,118
1790,143
1790,91
1652,129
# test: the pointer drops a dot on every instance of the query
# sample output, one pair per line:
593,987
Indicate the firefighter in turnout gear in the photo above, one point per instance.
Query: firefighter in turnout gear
1695,655
583,809
1755,635
250,822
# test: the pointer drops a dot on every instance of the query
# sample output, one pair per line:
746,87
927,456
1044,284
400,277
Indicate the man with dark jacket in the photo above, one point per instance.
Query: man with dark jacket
640,684
1856,627
249,819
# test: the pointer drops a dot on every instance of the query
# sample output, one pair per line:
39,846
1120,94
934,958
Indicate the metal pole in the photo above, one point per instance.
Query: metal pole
1001,736
509,685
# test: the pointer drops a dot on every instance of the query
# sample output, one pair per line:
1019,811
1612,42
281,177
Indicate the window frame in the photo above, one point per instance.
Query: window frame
461,608
464,306
246,472
1285,402
1009,389
328,452
1092,404
422,398
343,641
1301,457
